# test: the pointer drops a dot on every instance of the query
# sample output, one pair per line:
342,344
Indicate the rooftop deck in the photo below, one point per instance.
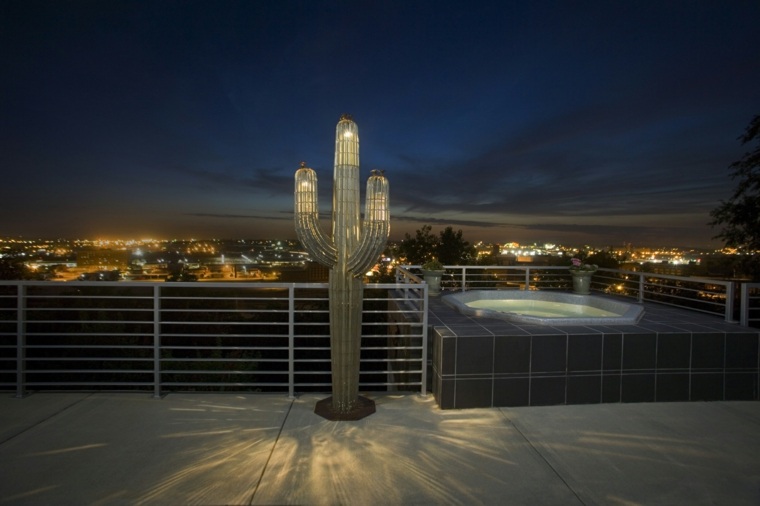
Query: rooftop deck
84,448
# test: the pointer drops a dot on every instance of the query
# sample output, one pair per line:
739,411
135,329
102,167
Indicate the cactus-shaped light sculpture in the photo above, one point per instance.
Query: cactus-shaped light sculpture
353,249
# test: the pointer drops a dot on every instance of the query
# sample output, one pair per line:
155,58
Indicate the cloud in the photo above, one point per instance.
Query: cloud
233,216
265,181
442,221
585,163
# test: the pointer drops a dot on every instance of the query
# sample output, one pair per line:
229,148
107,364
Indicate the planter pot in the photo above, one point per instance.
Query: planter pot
433,280
582,281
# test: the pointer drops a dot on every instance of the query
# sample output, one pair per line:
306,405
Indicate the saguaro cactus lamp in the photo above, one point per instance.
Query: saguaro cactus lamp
353,249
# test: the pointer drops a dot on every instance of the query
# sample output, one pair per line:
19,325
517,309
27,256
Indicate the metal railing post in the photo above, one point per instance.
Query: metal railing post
157,341
744,306
291,341
21,341
527,279
423,383
641,288
464,280
730,294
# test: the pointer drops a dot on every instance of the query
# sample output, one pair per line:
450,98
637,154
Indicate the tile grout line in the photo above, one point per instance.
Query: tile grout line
46,418
271,452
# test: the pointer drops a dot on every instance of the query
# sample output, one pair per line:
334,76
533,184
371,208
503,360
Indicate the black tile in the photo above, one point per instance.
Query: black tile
741,351
584,352
576,329
473,393
443,332
547,391
741,386
673,351
446,395
611,388
537,330
456,320
434,345
548,354
637,388
659,328
475,355
469,330
612,352
707,387
707,351
512,354
433,320
511,392
672,387
506,330
639,352
435,384
584,389
448,355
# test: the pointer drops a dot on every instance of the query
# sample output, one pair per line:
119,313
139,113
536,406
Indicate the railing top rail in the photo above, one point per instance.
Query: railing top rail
192,284
483,267
185,284
562,267
695,279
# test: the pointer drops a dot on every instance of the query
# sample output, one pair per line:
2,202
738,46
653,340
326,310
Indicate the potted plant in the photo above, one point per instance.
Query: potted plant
582,275
432,271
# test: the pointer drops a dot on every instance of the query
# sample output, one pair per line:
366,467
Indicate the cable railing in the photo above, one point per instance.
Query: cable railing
271,337
704,295
160,337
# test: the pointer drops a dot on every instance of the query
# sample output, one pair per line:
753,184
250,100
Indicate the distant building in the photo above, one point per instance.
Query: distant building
103,259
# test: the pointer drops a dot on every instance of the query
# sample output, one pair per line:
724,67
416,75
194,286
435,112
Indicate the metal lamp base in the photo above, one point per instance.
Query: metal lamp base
363,408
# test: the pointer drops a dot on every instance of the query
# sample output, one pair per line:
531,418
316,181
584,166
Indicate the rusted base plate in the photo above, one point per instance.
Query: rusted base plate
364,407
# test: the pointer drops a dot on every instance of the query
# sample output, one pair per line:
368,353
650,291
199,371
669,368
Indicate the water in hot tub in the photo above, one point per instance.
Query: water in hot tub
540,308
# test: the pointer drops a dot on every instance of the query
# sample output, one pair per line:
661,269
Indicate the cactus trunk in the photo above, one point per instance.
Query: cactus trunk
345,333
353,249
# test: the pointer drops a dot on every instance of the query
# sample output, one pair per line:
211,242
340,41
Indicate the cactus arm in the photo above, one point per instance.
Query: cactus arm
371,247
376,226
306,214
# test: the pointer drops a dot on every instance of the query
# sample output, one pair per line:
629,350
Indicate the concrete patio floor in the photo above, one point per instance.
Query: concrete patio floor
236,449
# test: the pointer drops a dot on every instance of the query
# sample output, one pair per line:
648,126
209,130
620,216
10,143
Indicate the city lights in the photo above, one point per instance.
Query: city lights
269,259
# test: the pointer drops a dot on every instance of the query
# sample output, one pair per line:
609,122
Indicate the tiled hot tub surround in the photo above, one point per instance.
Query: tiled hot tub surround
669,355
625,313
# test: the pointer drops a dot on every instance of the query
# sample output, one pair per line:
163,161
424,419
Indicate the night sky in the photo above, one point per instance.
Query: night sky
596,122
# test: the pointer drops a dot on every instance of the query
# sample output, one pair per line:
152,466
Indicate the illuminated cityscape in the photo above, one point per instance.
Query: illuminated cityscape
150,259
154,259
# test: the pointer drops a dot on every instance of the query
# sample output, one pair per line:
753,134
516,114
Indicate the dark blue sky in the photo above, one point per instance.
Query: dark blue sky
575,122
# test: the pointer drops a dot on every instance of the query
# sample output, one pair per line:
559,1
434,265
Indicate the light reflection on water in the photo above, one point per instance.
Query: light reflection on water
540,308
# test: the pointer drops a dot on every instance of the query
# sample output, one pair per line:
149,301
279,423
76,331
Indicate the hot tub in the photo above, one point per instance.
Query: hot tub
545,307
